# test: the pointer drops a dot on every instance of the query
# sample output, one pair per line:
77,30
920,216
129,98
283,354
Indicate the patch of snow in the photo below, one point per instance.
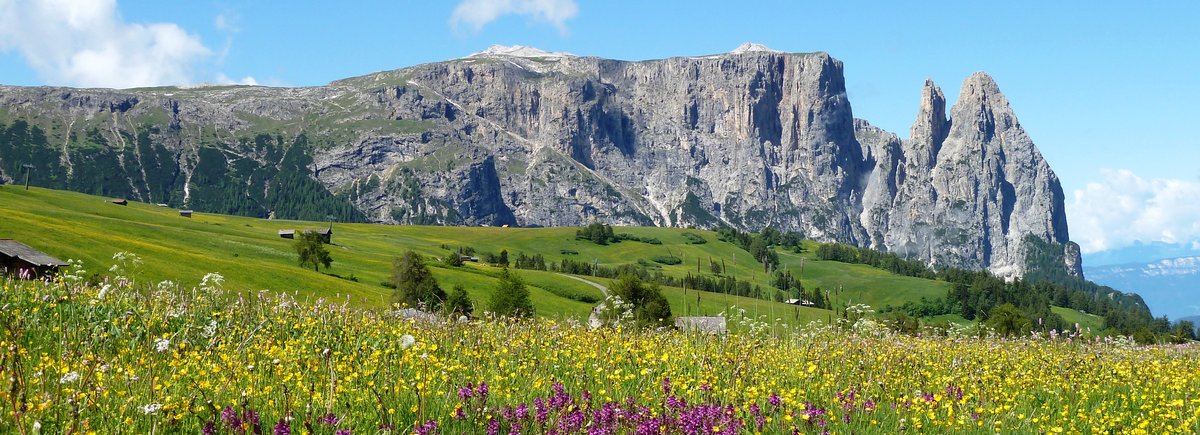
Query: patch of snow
752,47
519,51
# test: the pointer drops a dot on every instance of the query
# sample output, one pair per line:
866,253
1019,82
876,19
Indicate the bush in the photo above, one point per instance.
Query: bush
666,259
453,259
631,237
650,307
693,239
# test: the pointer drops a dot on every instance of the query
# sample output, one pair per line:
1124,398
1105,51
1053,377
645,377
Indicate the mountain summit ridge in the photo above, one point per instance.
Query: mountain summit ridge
513,136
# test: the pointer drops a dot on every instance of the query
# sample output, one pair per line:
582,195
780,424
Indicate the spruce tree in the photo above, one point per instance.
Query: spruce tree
511,298
414,283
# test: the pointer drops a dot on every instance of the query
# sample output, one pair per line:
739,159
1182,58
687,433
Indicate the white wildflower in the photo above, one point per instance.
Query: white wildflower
161,344
211,329
104,291
212,282
151,409
69,378
407,341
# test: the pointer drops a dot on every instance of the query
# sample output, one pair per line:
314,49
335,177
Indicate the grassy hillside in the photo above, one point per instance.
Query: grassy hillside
251,256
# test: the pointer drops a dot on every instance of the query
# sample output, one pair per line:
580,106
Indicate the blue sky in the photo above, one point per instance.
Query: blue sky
1107,90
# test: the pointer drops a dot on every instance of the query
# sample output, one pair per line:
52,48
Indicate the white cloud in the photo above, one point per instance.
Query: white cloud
226,80
1125,208
87,43
478,13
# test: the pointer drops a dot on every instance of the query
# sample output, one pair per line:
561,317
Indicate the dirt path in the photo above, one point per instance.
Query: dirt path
594,318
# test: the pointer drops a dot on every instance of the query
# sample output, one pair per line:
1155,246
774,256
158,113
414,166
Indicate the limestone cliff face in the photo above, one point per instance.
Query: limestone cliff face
748,139
971,187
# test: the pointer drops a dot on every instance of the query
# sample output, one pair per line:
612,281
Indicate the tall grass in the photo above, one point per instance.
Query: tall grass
116,357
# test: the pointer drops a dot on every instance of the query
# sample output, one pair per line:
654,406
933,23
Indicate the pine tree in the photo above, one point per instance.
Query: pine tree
459,303
414,283
511,298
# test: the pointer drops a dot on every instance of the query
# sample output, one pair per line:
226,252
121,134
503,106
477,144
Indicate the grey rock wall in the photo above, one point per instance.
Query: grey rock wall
748,139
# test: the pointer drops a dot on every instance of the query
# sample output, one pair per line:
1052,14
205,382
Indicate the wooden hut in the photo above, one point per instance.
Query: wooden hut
119,201
19,260
287,234
326,233
185,213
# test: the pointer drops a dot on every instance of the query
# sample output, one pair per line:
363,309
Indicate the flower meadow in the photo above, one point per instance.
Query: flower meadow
117,358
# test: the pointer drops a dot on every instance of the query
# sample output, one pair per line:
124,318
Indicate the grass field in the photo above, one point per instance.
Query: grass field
251,256
80,359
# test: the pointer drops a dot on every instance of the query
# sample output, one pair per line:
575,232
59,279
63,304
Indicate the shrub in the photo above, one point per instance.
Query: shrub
693,239
650,307
666,259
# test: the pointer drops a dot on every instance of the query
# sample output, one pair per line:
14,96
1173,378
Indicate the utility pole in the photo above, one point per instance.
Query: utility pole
28,169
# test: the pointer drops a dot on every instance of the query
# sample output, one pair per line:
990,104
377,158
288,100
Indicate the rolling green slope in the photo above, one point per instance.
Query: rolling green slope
251,256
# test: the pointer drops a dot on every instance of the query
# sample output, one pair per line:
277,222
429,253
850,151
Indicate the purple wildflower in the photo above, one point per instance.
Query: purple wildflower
329,420
283,428
230,418
429,428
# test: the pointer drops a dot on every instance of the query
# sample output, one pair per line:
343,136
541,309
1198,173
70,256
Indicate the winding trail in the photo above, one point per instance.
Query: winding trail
594,318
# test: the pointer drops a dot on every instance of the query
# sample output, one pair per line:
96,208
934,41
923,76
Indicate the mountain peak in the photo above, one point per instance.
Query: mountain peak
752,47
518,51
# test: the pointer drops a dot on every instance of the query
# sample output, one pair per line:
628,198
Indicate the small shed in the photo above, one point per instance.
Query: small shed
704,324
185,213
287,234
119,201
19,260
326,233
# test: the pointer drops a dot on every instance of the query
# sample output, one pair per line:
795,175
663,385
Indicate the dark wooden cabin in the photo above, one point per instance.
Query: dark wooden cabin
19,260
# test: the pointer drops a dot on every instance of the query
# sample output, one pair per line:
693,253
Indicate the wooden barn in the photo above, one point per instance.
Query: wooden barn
287,234
185,213
119,201
326,233
19,260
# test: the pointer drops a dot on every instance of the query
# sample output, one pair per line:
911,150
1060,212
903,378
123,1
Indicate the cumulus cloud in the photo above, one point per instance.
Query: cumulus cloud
1125,208
478,13
87,43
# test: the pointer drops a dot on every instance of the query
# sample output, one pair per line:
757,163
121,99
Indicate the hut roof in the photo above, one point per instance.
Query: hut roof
287,231
13,248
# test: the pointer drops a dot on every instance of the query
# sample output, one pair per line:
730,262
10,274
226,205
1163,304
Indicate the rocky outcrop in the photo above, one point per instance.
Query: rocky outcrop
969,189
749,139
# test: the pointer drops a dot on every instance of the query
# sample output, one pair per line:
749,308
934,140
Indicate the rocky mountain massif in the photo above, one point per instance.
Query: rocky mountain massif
515,135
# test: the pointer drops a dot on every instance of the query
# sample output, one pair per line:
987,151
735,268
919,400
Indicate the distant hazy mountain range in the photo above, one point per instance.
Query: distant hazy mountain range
1170,287
1141,253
